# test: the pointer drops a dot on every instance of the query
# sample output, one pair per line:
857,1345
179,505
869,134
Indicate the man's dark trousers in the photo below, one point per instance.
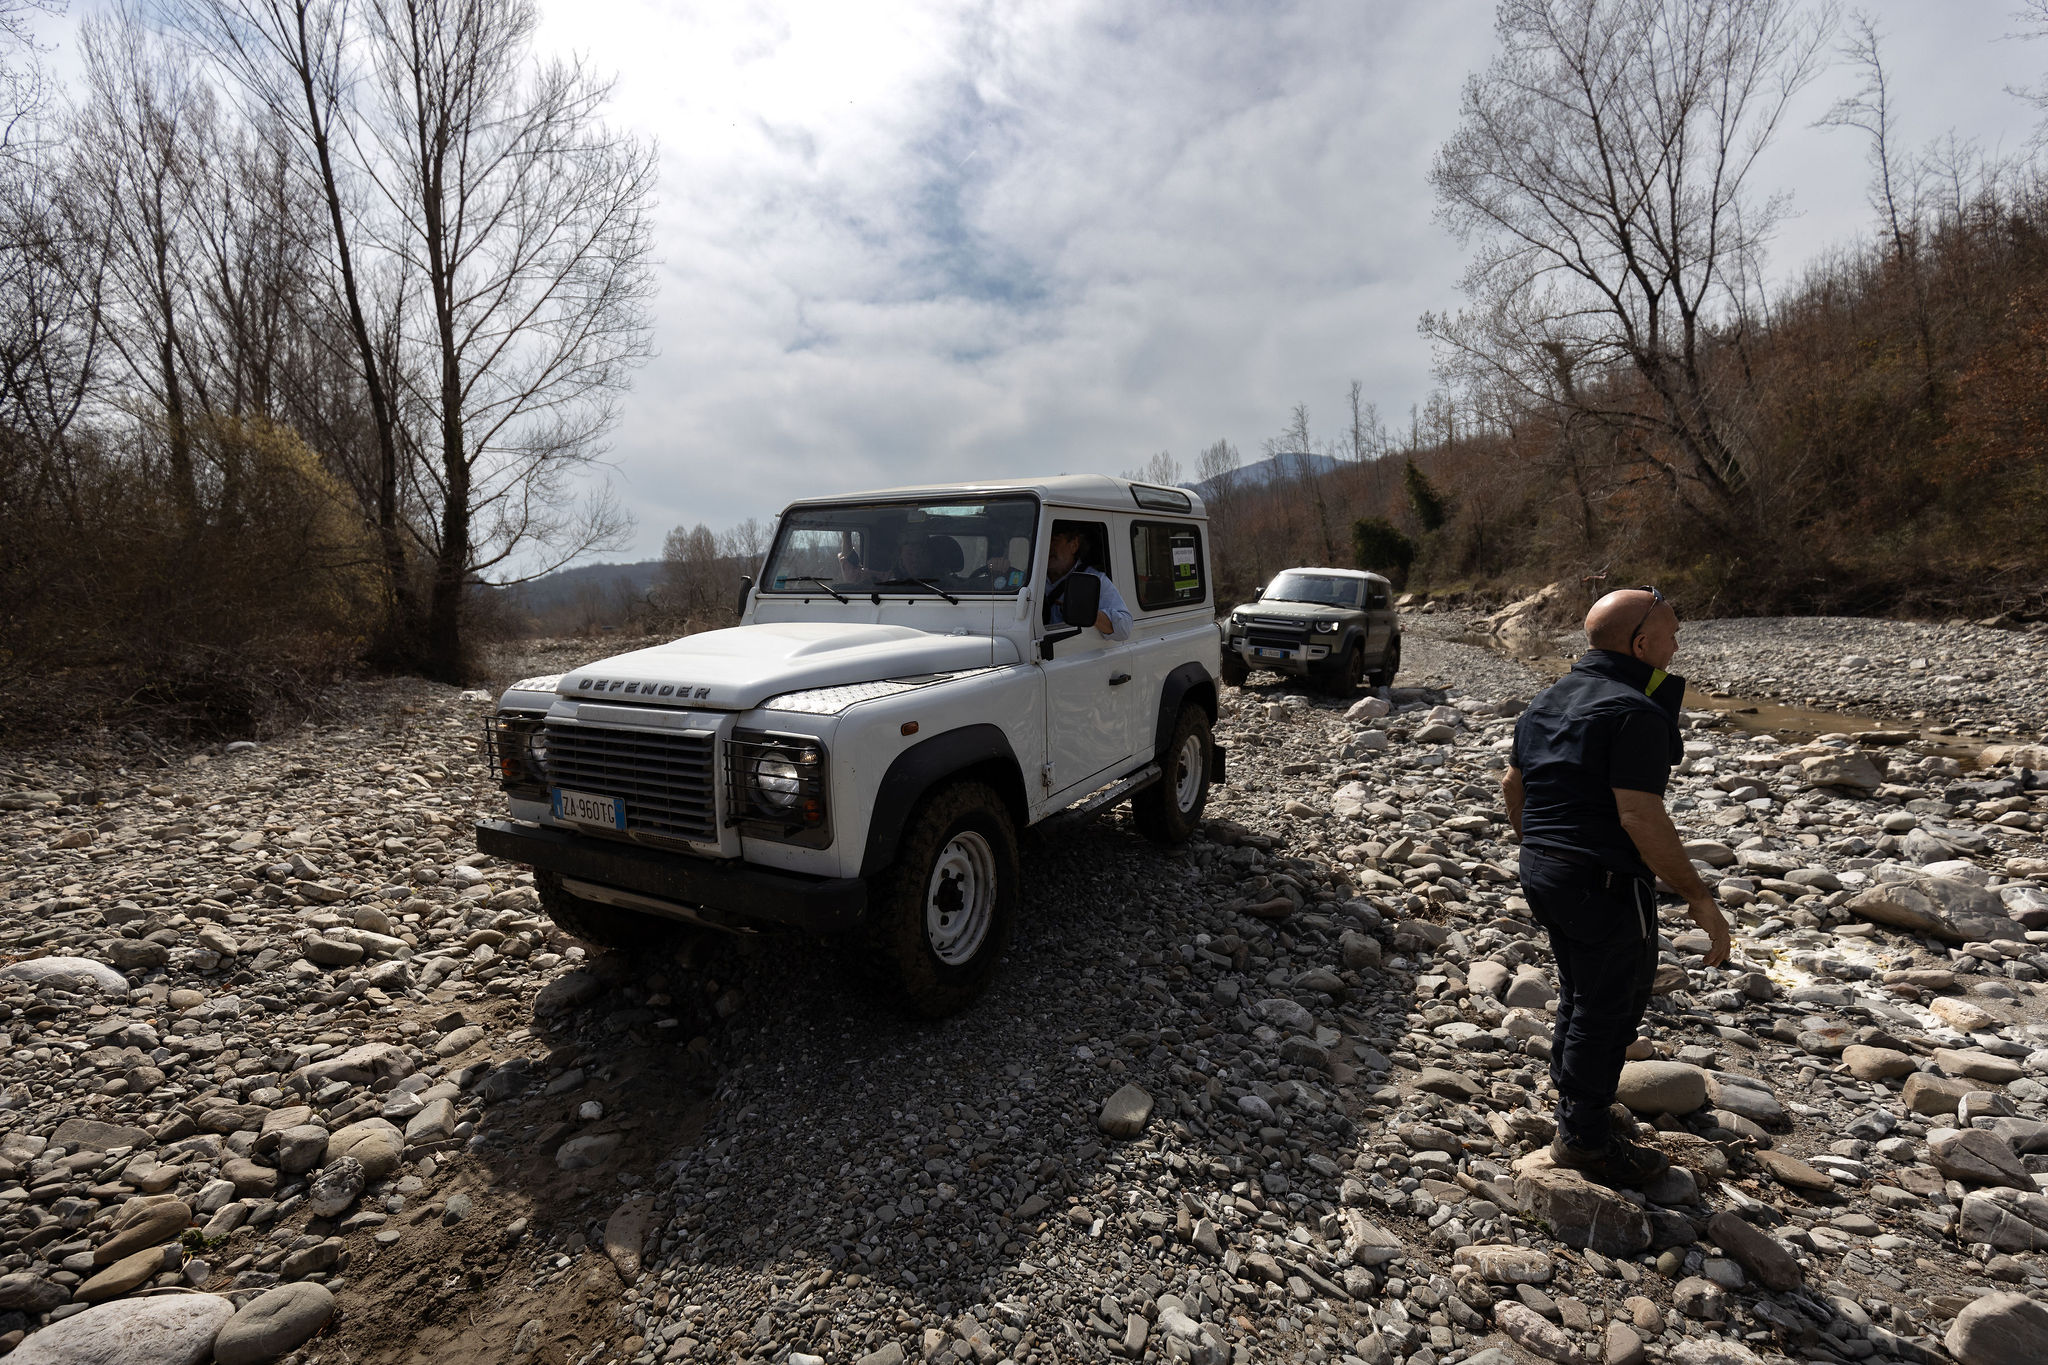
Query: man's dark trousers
1602,927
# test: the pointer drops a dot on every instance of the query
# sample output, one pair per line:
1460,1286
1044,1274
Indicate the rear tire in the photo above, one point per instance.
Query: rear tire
1236,672
940,917
1390,664
1170,810
607,926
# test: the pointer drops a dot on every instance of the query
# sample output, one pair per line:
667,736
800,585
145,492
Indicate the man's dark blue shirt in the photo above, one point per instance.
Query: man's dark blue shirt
1610,722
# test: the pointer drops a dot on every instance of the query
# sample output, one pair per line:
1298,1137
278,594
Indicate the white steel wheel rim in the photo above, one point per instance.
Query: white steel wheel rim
1187,773
960,898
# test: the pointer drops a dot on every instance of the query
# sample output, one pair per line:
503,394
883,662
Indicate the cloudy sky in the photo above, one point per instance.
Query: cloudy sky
905,241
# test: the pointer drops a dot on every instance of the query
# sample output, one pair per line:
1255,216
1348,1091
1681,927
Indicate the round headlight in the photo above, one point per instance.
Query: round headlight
1327,627
775,778
537,754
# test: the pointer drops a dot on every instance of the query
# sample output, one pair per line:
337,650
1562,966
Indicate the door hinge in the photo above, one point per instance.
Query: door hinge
1045,777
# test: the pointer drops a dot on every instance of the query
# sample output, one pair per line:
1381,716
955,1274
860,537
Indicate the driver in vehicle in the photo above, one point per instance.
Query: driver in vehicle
1112,618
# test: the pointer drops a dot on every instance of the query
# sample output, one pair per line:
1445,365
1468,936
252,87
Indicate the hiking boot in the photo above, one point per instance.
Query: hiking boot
1620,1163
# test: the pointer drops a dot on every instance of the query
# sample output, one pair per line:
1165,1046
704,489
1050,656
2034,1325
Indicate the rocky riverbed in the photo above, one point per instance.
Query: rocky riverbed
295,1074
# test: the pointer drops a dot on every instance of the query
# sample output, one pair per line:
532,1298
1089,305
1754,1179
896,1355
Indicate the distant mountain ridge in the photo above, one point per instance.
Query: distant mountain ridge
563,587
1270,470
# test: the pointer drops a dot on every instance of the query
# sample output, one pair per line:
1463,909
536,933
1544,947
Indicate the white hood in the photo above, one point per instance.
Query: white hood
742,667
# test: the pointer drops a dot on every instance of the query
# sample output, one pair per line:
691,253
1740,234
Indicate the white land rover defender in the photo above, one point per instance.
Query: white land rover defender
862,750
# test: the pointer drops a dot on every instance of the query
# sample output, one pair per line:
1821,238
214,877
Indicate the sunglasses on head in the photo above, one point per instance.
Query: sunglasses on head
1656,601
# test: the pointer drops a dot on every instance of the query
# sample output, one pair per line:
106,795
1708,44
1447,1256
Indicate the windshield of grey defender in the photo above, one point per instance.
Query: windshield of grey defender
1324,590
953,548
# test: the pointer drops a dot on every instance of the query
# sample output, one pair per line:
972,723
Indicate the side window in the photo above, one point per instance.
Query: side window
1375,596
1167,557
1094,543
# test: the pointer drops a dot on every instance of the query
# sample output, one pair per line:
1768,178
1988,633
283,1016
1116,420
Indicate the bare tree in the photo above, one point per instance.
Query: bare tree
1296,460
1161,469
525,221
1366,438
747,544
147,127
2032,18
24,84
1601,166
1869,111
293,67
693,579
52,322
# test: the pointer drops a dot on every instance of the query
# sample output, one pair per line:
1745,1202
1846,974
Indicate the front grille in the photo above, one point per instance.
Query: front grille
1274,635
669,781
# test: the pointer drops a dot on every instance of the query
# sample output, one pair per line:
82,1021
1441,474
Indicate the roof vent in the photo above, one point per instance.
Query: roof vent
1158,499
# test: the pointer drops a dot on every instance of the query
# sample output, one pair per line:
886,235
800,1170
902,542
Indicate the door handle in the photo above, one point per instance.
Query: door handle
1119,679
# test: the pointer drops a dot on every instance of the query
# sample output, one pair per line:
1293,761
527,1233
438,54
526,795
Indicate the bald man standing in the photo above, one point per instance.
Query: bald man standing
1585,790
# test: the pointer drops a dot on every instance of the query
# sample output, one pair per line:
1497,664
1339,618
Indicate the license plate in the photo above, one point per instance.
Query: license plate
1270,653
581,808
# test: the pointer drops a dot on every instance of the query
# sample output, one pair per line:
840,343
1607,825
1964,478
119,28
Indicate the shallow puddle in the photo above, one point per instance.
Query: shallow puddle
1759,715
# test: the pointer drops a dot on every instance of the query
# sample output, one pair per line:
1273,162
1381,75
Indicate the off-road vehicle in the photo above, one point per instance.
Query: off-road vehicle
1336,627
862,751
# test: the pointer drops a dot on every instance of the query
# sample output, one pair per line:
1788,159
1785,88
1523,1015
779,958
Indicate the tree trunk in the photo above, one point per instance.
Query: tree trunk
451,565
398,604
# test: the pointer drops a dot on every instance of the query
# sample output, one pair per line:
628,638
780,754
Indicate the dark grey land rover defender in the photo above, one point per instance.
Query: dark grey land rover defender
1336,627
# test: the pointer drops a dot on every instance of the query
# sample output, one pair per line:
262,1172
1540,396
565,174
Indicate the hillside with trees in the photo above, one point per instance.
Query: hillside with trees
1625,395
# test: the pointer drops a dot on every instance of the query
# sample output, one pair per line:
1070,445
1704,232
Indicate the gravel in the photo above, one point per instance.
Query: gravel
1277,1095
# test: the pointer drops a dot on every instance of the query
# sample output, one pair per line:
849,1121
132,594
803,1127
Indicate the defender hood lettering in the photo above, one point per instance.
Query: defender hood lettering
743,666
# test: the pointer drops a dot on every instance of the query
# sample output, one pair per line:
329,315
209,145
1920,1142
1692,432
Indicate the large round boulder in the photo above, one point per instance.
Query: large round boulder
170,1329
1661,1087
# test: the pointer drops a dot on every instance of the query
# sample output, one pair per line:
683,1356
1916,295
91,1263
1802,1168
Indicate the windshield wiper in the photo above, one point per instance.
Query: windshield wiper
919,582
824,583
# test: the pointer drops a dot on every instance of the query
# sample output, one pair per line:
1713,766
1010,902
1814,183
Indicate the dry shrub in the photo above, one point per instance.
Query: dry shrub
207,615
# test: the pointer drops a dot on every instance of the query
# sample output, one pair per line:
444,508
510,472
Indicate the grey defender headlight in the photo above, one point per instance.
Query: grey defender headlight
1328,627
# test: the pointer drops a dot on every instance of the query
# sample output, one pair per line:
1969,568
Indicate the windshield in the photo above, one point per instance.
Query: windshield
948,549
1325,590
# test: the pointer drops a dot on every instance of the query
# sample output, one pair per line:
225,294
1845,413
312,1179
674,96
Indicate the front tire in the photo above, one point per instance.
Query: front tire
1346,673
941,916
607,926
1236,672
1390,664
1170,810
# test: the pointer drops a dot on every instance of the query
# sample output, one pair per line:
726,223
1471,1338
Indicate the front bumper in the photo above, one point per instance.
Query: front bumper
1300,659
736,893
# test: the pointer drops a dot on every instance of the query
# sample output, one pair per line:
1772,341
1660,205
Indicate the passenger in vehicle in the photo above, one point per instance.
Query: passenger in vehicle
1063,559
931,557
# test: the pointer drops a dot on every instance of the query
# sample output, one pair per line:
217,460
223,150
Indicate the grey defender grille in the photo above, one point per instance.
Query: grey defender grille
669,781
1274,634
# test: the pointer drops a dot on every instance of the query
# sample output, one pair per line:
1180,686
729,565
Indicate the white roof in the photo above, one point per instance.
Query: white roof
1334,573
1063,490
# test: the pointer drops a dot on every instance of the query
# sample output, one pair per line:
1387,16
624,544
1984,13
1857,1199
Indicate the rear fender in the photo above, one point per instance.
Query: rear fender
1190,683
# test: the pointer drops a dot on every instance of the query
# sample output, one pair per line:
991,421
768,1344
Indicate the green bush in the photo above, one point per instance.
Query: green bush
1377,544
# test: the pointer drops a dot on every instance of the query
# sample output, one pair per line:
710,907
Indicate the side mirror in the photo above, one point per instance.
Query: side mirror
1081,600
746,586
1053,635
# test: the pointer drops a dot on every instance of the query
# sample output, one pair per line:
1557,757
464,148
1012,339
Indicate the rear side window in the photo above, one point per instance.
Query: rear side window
1168,558
1375,596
